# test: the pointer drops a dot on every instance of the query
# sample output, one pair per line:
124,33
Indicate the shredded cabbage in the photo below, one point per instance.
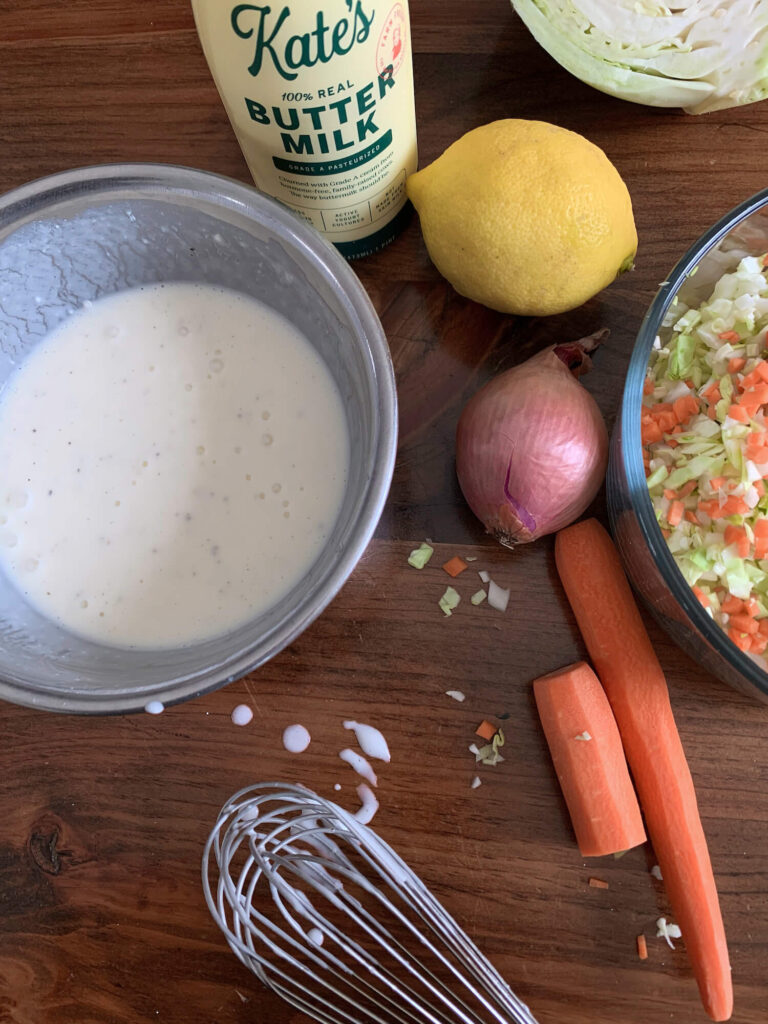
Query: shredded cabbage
702,55
705,436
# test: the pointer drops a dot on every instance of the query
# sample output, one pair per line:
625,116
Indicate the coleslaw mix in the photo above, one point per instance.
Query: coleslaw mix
705,445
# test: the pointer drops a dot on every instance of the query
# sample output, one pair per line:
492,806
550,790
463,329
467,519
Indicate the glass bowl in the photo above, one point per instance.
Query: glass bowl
647,559
90,232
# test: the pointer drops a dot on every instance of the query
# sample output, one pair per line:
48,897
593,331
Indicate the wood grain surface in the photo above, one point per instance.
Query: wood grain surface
103,821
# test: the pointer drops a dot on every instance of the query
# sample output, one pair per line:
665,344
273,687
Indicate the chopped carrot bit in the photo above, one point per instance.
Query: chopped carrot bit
712,393
742,640
701,597
669,494
648,387
737,363
760,527
744,623
598,883
685,407
737,535
729,336
455,566
650,432
732,605
762,627
691,517
687,489
758,644
486,731
739,413
760,488
675,514
751,607
642,947
761,547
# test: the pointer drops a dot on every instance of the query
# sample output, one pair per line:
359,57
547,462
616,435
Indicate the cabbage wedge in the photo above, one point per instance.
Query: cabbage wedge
702,55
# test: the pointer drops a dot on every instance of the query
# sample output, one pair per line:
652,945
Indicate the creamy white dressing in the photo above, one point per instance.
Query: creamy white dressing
359,764
296,739
174,458
371,740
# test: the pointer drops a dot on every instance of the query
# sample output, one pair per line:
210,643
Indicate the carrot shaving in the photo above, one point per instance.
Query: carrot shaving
642,947
675,514
485,731
455,566
598,883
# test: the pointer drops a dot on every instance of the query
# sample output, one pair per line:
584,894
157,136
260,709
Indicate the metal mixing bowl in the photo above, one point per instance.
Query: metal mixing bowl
648,561
90,232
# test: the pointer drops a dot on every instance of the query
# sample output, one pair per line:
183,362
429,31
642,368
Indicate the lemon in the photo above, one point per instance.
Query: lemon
525,217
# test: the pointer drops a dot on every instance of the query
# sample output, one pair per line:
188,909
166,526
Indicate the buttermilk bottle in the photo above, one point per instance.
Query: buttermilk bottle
320,96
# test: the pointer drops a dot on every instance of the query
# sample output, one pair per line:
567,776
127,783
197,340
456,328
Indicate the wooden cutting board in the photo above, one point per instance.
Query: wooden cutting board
103,821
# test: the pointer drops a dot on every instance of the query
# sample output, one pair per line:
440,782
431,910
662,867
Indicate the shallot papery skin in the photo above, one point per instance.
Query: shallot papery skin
532,446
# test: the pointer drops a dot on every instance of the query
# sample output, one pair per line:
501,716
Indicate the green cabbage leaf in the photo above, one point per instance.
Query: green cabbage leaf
702,55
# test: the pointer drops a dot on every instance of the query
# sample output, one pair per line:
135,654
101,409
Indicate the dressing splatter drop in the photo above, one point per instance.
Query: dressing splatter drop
296,739
371,741
242,714
154,707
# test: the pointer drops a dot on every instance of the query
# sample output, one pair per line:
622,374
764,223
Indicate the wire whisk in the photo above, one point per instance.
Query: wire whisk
326,914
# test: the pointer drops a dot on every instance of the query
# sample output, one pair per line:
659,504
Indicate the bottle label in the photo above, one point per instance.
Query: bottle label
321,100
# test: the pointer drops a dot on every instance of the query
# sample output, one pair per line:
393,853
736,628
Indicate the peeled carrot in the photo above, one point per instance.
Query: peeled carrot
621,651
589,760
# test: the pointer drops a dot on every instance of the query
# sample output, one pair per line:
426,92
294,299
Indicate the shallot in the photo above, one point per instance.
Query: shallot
531,445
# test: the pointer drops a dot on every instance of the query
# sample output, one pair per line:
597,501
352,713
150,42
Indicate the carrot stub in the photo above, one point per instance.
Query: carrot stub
589,760
642,947
621,651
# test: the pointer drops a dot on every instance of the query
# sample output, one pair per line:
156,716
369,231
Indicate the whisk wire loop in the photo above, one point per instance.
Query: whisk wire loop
306,853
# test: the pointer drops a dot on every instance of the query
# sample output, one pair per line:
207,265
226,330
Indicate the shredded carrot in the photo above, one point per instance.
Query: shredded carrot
670,495
732,506
455,566
738,413
730,336
701,597
675,514
685,407
687,489
758,643
741,640
744,623
642,947
486,731
737,363
737,536
598,883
